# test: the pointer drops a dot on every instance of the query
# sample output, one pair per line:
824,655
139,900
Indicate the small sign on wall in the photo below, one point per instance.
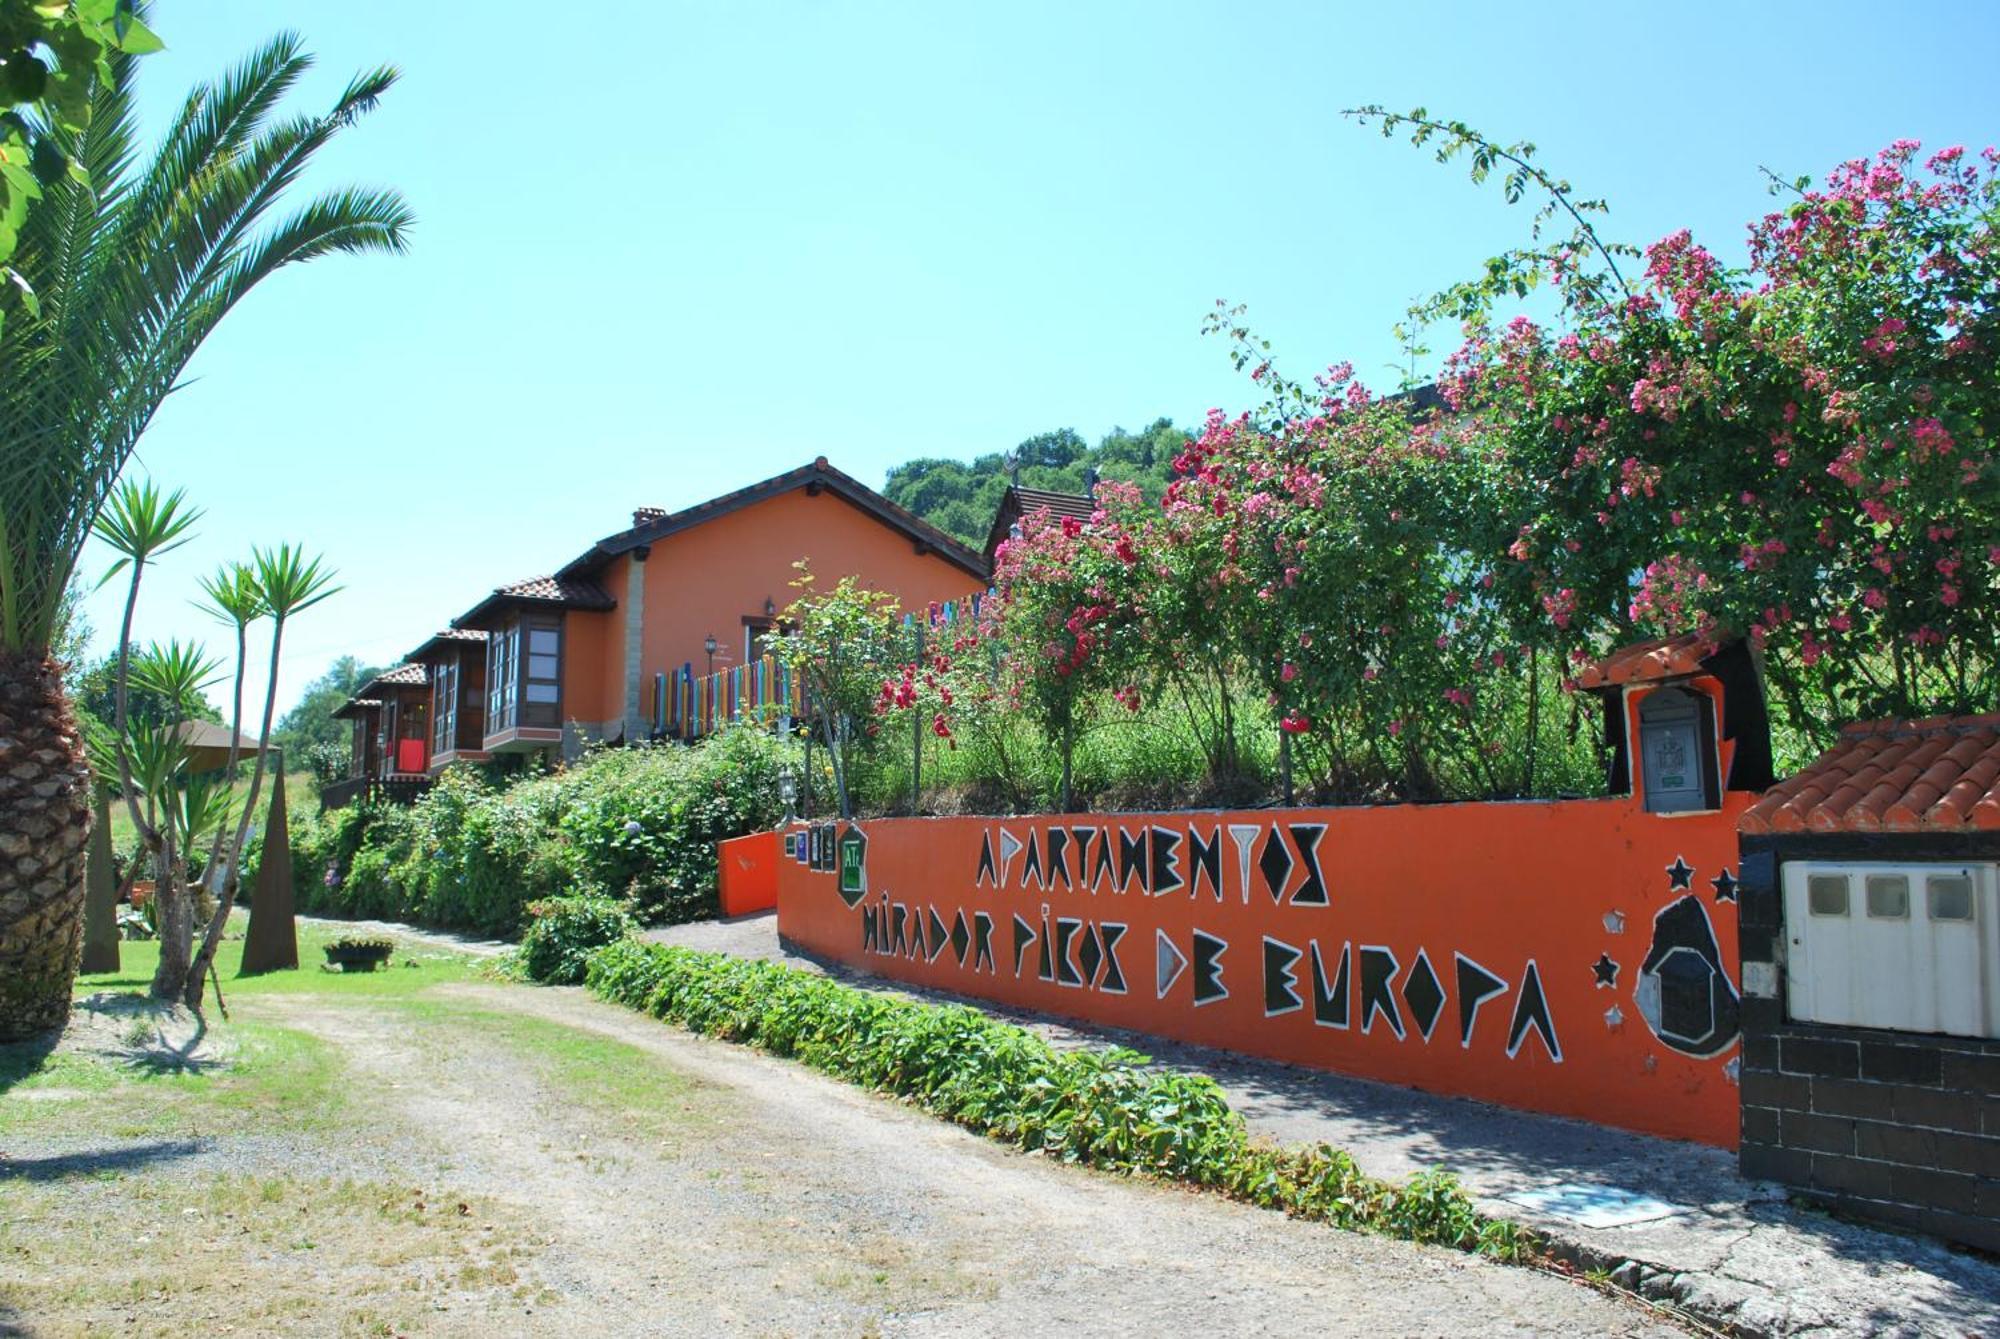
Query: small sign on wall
853,866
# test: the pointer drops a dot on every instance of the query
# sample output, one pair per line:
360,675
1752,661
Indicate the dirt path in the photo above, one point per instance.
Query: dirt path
1735,1252
767,1199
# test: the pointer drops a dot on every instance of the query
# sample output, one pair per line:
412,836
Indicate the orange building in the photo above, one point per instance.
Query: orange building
583,654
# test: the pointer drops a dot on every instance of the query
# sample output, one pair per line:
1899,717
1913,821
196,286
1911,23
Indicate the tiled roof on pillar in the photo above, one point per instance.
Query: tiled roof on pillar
1936,775
1648,662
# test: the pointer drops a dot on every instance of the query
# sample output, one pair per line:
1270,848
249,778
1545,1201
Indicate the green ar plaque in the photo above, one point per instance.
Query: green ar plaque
853,866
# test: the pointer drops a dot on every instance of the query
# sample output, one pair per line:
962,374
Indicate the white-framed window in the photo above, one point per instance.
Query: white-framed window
1908,945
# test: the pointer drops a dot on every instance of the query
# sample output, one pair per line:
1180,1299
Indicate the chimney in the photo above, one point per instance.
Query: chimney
1090,483
644,516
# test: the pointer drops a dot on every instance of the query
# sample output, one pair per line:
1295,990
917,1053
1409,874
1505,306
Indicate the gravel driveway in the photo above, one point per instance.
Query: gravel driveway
512,1160
784,1202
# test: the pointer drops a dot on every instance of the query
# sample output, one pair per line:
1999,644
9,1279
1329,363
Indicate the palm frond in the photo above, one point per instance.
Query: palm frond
134,268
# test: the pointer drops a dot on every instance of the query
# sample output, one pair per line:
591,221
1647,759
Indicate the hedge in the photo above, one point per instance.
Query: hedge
472,854
564,931
1112,1109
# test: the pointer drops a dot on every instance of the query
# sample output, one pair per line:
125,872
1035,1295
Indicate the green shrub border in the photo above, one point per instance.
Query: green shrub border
563,932
1113,1109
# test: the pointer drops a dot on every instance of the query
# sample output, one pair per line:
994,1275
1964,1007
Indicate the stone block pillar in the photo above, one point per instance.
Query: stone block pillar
635,628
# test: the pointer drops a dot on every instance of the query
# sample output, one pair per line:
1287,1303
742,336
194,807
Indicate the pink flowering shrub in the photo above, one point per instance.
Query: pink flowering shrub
1390,592
1062,616
1799,452
1343,585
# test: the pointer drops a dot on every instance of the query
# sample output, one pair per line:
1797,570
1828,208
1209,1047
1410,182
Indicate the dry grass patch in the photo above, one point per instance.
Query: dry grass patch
162,1250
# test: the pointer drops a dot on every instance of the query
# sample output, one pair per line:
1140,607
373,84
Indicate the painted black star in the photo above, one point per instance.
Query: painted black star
1605,970
1725,886
1680,875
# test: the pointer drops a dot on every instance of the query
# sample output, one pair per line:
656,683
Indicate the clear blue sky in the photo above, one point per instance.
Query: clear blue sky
656,264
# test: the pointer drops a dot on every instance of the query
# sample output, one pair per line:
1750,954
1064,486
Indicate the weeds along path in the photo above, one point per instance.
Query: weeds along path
751,1195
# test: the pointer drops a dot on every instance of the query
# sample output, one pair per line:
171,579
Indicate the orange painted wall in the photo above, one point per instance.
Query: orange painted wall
1507,903
610,667
747,877
586,646
707,578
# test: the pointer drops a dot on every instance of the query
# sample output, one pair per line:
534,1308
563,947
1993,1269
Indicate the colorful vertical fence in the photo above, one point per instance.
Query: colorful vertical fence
689,706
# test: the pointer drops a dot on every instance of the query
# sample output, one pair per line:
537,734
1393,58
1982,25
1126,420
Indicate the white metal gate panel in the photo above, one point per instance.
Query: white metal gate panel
1913,945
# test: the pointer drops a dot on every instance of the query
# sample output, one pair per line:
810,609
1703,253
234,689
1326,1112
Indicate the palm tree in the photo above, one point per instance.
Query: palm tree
131,262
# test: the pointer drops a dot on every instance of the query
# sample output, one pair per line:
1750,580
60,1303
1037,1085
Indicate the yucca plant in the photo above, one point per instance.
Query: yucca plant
174,808
176,675
283,583
133,260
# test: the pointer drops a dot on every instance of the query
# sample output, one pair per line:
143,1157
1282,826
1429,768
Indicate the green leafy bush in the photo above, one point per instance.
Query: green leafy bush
488,853
1111,1109
322,850
472,854
564,931
643,823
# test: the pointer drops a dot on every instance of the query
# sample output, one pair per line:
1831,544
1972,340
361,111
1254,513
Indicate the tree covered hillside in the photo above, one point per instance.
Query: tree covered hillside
960,497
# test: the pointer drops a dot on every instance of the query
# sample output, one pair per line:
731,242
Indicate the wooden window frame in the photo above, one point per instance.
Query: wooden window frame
444,705
503,683
541,715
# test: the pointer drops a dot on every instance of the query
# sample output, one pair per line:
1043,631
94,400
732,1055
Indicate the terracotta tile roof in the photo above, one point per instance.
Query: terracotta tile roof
1018,502
446,637
568,592
1648,662
354,706
402,676
1937,775
561,590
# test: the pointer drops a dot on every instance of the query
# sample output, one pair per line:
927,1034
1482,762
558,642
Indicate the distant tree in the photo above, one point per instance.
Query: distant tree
929,484
1150,450
961,497
1052,450
311,721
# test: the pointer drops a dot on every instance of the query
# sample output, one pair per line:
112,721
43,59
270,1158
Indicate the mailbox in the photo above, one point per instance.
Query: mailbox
1677,758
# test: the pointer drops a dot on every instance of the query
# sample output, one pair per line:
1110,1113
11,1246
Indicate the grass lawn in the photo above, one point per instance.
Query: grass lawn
115,1220
271,1068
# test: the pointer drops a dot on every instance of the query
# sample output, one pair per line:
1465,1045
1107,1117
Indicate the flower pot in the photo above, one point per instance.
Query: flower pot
357,957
